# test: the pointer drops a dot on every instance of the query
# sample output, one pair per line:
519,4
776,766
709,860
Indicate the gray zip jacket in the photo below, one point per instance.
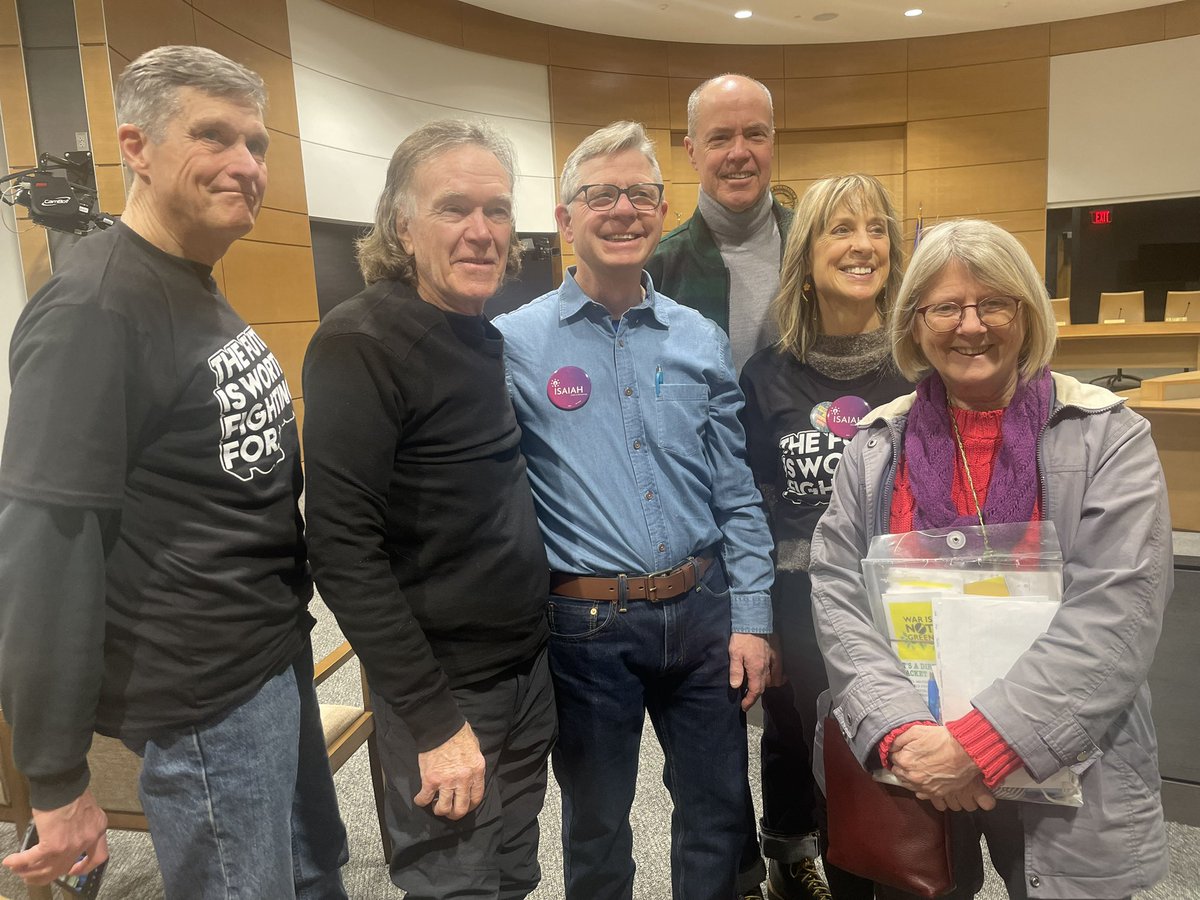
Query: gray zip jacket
1078,697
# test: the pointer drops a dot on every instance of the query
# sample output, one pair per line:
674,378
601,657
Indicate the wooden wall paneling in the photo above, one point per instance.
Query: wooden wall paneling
288,341
680,165
845,101
681,88
1021,220
974,140
607,53
703,61
277,226
1182,19
98,95
110,188
681,203
10,28
1136,26
975,90
263,21
815,154
116,65
864,58
14,106
663,153
298,406
275,69
976,190
218,274
89,21
585,97
35,254
135,26
441,21
496,34
271,282
975,47
566,137
285,174
364,8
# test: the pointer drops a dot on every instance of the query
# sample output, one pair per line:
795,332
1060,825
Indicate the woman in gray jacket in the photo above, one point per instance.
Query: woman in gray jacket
992,436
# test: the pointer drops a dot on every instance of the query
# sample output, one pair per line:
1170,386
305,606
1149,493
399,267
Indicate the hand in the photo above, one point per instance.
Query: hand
452,775
748,660
929,761
64,834
776,676
974,796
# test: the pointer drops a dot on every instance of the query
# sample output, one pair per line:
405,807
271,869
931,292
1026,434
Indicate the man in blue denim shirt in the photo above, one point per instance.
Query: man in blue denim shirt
628,406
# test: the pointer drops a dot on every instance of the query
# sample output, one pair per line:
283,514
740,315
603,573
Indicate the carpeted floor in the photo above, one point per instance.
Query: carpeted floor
133,874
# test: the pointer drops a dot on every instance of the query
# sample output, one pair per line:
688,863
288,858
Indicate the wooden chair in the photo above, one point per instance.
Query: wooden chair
1062,310
115,768
1182,306
1127,307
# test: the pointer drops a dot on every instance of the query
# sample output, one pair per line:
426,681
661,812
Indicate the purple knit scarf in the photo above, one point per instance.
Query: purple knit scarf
930,450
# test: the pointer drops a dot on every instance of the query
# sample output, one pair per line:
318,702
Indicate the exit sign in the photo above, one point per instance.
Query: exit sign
1101,216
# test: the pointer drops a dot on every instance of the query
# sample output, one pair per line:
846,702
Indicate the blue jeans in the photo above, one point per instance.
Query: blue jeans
610,668
244,808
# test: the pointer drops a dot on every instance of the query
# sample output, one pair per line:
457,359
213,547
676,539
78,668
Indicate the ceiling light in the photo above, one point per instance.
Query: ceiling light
743,14
913,12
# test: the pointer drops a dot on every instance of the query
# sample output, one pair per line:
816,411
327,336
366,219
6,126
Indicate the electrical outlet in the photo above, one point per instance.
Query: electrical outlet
81,140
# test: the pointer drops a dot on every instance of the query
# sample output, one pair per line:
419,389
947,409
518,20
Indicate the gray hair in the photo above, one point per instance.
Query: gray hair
147,92
615,138
380,253
798,315
994,258
693,104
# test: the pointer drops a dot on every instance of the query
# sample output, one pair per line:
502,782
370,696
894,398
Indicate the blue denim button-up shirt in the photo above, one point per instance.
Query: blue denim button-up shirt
652,468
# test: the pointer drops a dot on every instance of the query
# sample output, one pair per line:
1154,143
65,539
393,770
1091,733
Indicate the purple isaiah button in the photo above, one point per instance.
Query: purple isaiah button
843,415
569,387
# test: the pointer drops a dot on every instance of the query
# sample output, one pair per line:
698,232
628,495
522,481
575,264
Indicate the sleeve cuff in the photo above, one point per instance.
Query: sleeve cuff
985,746
58,790
751,613
435,722
885,746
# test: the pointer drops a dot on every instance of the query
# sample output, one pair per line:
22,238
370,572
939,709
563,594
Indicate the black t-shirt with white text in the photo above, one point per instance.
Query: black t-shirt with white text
139,391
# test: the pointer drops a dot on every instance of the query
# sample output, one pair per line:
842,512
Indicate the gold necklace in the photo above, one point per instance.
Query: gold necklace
962,452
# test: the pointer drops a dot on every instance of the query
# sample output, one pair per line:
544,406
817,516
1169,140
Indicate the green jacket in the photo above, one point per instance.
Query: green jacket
688,268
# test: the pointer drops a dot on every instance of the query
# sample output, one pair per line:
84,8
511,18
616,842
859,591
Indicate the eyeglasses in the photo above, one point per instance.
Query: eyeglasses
601,197
993,312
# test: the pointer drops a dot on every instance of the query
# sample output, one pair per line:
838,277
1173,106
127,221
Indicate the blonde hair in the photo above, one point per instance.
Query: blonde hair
796,314
994,258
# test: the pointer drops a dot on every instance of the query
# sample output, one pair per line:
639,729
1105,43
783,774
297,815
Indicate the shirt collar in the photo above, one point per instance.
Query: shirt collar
572,300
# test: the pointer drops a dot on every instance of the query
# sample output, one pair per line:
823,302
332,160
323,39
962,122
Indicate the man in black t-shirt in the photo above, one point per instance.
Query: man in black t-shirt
153,584
423,535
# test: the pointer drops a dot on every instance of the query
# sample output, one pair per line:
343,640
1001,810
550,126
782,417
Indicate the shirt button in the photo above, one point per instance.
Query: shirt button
628,392
1083,757
1034,881
620,343
637,445
662,548
649,495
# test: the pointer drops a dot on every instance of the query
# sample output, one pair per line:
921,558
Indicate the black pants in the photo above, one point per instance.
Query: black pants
492,851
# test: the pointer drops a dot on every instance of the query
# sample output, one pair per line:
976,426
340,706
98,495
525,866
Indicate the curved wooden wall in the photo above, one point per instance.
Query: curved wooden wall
954,125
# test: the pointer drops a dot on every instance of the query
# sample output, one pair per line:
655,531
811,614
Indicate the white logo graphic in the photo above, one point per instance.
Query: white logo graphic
255,405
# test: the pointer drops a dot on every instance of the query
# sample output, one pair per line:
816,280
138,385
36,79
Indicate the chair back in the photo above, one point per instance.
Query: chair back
1183,306
1122,308
1062,310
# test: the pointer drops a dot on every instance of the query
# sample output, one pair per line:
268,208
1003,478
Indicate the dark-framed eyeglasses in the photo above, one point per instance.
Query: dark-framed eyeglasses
601,197
993,312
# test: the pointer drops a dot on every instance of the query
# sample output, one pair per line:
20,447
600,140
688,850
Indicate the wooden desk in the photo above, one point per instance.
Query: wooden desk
1175,427
1145,345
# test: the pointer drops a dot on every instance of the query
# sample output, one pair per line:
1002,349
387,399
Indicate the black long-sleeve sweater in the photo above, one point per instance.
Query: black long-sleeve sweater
421,526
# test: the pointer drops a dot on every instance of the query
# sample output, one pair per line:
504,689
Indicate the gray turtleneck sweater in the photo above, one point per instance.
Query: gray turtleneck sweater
749,242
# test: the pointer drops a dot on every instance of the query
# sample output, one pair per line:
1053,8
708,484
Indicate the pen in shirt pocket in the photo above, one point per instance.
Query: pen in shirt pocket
658,379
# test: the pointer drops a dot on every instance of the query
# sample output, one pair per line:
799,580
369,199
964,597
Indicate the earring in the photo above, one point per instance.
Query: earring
804,289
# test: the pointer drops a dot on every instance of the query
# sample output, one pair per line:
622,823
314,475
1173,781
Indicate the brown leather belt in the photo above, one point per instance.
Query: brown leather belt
653,587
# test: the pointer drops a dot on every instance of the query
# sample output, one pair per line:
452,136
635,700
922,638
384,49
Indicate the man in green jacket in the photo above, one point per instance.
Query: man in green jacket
724,260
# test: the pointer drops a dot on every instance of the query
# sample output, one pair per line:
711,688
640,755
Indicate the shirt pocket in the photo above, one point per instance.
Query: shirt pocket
682,416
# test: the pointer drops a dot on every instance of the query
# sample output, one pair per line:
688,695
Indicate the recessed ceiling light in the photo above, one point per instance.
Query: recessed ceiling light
743,14
825,17
913,12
